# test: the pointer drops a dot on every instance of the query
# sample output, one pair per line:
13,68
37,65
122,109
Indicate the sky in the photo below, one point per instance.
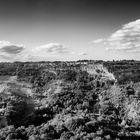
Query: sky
51,30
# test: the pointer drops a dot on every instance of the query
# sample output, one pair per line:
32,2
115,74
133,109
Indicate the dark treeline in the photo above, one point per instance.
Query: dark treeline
125,71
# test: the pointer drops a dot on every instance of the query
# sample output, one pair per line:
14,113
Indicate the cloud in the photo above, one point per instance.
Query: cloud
14,52
133,51
9,50
126,39
83,54
4,57
48,52
100,40
12,49
52,48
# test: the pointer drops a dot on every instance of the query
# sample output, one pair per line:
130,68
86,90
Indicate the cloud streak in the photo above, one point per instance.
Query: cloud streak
83,54
100,40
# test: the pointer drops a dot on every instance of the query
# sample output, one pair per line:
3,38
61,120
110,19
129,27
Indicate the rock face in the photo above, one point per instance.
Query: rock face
104,76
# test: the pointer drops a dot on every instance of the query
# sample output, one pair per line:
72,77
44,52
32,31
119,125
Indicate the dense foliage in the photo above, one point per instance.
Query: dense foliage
125,71
70,101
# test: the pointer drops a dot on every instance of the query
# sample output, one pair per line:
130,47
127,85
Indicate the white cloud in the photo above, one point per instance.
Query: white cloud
48,52
53,48
83,54
100,40
126,39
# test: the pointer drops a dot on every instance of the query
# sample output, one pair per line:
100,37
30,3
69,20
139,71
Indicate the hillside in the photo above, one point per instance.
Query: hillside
82,100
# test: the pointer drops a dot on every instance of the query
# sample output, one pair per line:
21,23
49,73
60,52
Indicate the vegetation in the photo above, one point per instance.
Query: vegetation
70,100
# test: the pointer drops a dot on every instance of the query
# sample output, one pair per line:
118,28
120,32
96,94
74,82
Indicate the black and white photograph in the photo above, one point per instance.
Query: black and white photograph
69,70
